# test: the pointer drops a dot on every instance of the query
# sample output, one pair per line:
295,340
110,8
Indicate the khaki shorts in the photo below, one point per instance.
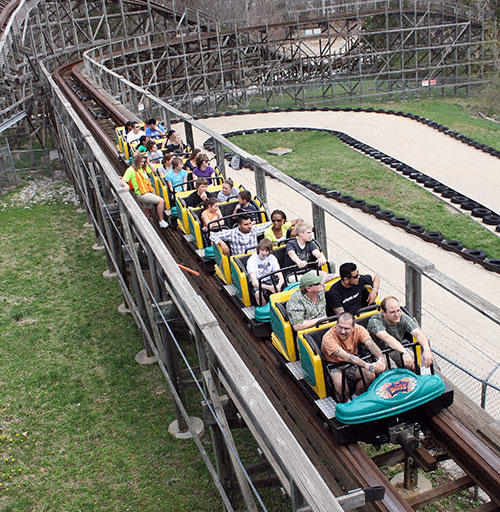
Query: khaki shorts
149,199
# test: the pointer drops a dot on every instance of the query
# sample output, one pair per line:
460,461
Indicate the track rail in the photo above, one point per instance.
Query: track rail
340,465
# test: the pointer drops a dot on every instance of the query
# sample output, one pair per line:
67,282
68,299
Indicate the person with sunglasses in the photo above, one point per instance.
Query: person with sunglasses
135,134
349,293
280,227
203,169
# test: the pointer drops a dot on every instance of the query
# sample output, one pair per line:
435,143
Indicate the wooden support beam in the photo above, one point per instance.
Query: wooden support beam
441,491
219,411
486,507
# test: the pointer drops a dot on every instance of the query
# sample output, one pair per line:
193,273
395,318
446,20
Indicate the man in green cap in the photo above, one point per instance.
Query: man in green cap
307,305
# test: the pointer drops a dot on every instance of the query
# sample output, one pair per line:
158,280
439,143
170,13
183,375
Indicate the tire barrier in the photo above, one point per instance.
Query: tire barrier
480,212
477,210
475,253
459,199
455,244
388,214
493,262
402,221
435,236
492,219
417,228
469,205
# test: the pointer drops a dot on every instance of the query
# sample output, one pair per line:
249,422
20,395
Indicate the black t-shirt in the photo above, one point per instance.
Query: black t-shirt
193,200
305,254
351,299
175,148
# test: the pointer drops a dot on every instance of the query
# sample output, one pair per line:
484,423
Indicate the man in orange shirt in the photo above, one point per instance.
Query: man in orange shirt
340,345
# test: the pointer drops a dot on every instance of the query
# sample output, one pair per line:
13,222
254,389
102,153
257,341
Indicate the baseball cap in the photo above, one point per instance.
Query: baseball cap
309,279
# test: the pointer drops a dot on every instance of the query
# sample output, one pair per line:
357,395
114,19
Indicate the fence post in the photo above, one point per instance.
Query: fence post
260,180
188,130
414,266
319,223
219,156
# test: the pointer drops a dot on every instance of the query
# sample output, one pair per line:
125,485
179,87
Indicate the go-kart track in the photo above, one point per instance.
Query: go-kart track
455,329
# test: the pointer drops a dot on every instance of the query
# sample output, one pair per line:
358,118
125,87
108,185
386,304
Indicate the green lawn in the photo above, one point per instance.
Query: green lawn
82,425
321,158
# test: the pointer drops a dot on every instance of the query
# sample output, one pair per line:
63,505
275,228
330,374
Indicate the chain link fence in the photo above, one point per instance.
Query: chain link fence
18,165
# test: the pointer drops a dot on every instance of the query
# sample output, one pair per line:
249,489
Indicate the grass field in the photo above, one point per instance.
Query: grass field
82,425
321,158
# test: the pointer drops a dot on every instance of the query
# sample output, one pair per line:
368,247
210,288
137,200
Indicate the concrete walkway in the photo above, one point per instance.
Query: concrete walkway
455,329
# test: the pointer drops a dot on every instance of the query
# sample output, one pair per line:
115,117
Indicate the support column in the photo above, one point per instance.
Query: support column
319,223
229,446
260,181
414,267
413,292
219,156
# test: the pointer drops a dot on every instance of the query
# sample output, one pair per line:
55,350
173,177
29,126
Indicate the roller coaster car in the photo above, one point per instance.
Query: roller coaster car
241,291
284,337
222,264
182,208
395,399
199,240
126,150
161,189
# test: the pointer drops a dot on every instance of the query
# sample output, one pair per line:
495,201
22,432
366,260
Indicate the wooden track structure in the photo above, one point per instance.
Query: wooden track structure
378,48
45,34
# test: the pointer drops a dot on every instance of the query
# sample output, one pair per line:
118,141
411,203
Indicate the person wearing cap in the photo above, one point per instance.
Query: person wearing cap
307,305
340,345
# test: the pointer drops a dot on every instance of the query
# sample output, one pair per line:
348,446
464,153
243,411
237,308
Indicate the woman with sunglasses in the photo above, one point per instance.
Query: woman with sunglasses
278,231
202,169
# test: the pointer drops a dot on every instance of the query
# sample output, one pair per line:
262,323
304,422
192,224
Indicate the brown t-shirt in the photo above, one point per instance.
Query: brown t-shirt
331,342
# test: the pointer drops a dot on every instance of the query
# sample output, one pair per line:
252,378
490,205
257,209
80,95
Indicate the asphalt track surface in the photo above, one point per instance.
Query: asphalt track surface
454,328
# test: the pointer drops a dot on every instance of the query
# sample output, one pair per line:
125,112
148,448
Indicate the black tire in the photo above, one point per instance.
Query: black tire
439,188
359,202
333,193
402,221
373,207
494,262
415,175
422,178
492,219
436,236
347,198
469,205
478,254
388,214
459,199
455,244
449,193
417,228
430,183
480,212
407,170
